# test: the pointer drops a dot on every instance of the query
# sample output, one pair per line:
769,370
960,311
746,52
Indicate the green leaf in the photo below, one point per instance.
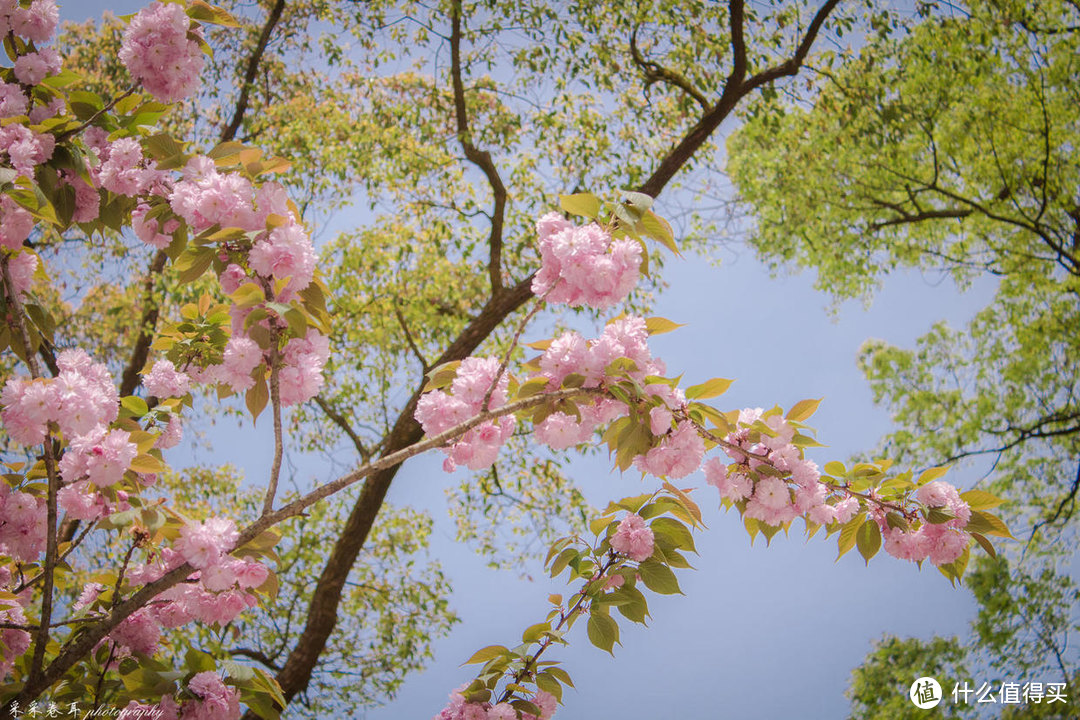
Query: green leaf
581,204
868,539
533,386
546,682
985,543
636,609
659,325
988,524
603,631
441,376
134,404
803,410
247,295
638,200
836,469
653,226
484,654
193,262
147,464
257,398
676,534
564,558
658,577
561,675
846,540
708,389
980,499
932,474
535,632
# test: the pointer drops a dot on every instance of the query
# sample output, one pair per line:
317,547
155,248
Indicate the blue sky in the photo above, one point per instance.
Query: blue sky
762,632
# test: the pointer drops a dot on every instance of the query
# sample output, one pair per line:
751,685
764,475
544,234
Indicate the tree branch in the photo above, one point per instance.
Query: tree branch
322,611
735,90
908,218
409,339
148,324
655,72
275,408
339,420
479,158
272,19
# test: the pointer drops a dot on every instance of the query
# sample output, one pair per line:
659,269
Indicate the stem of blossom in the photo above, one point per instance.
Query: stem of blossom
705,433
510,350
275,406
123,570
564,617
101,680
15,304
300,504
884,504
90,121
71,548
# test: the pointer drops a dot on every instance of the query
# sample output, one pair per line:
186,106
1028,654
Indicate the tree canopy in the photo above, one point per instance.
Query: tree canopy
948,143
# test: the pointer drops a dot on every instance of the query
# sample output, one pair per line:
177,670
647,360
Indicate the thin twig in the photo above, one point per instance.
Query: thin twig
275,408
90,121
564,617
509,352
409,338
63,556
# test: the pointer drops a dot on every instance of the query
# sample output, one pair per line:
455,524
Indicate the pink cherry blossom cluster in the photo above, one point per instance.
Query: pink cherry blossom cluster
773,501
158,51
79,400
943,542
22,267
206,197
221,590
584,265
35,23
124,170
22,524
300,377
100,457
139,633
25,148
87,199
152,231
438,411
33,67
16,222
301,374
633,539
623,339
214,700
677,455
165,381
770,499
459,709
13,641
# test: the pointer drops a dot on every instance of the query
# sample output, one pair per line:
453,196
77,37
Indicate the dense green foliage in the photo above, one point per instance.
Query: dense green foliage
948,143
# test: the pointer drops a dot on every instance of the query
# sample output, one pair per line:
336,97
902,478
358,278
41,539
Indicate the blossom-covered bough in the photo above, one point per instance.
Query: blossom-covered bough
71,160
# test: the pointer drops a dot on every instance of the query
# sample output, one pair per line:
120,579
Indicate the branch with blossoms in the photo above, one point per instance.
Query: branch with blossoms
651,424
626,554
